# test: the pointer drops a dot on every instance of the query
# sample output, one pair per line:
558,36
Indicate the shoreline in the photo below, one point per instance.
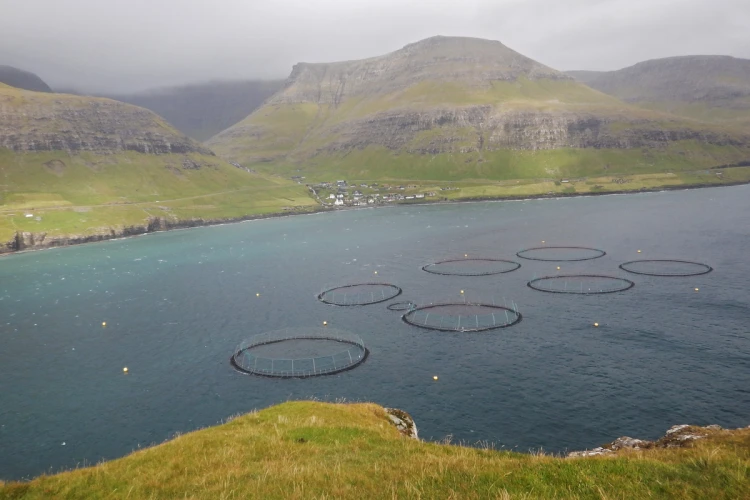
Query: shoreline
25,242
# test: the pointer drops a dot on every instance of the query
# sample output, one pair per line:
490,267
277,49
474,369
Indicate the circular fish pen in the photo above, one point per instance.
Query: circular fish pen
462,317
401,306
581,284
561,254
656,267
471,267
361,294
299,353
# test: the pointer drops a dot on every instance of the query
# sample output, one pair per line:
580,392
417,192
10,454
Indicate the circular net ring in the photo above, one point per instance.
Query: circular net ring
361,294
434,267
697,267
563,285
596,253
496,317
401,306
352,354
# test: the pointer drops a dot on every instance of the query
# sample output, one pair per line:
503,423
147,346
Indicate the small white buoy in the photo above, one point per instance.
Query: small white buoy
697,289
104,323
639,251
376,272
542,241
63,443
558,268
125,370
466,255
434,377
257,295
462,291
325,323
596,324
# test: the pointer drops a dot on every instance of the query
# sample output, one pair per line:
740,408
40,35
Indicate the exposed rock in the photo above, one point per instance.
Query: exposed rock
403,422
32,121
677,436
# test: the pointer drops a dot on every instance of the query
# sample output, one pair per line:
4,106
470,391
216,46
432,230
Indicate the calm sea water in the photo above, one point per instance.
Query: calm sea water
176,304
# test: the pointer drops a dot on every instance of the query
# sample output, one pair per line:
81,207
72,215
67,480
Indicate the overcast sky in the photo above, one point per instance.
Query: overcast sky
126,45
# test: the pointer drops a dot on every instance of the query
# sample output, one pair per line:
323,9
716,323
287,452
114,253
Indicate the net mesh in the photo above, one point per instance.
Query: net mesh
581,284
654,267
361,294
561,254
471,267
299,353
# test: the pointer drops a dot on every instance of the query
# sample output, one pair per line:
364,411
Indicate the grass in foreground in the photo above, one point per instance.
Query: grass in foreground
319,450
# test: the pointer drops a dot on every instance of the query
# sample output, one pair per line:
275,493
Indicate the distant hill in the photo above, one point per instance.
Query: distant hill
708,88
203,110
78,168
22,79
451,108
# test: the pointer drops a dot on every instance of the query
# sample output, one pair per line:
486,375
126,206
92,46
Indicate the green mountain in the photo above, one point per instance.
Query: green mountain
203,110
22,79
462,108
707,88
79,168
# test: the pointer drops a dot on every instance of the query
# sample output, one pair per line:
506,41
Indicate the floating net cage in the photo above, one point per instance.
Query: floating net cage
471,266
402,306
581,284
666,267
463,315
561,254
299,353
360,294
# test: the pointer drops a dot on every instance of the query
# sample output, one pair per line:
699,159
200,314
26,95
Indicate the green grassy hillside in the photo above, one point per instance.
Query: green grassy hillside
317,450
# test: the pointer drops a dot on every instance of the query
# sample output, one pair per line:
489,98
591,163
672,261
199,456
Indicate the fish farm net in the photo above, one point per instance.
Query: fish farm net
581,284
471,267
561,254
360,294
401,306
299,353
666,267
463,316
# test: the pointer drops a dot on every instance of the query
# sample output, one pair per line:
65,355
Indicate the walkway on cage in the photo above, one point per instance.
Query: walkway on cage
462,314
580,284
666,267
561,253
359,294
471,266
299,353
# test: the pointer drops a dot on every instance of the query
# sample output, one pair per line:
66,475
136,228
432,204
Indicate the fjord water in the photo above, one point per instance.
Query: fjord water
176,304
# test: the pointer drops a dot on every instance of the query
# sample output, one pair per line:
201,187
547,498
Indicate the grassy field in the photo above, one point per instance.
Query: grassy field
89,194
318,450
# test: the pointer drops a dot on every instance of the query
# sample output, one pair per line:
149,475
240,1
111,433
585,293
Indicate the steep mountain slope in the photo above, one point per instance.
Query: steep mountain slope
75,167
456,108
203,110
709,88
22,79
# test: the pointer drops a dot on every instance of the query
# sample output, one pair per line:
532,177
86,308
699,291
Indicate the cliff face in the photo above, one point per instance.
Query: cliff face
34,122
448,95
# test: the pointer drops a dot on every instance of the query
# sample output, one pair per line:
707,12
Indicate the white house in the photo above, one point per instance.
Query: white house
338,202
331,196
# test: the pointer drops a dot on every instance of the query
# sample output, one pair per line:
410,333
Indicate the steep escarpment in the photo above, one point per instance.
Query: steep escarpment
709,88
34,122
454,97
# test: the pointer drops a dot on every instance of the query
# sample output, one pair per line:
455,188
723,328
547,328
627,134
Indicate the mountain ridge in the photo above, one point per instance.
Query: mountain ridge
26,80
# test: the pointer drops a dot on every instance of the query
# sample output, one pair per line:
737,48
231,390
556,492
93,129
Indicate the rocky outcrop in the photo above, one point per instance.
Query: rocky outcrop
32,121
677,436
403,422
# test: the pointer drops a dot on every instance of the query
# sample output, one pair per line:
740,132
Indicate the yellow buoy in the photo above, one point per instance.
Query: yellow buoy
596,324
104,323
639,251
462,291
434,377
125,370
697,289
325,323
257,295
558,268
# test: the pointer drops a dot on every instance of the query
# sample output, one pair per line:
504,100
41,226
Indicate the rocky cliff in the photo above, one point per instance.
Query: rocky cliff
34,122
452,96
